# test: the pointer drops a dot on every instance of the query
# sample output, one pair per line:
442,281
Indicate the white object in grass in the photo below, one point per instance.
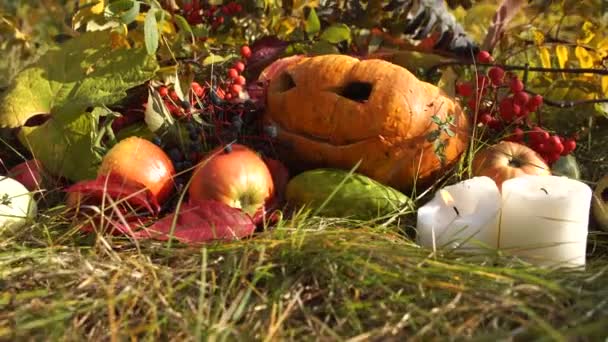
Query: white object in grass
545,219
464,215
17,204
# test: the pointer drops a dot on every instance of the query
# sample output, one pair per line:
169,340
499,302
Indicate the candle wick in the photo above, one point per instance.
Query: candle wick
545,190
456,210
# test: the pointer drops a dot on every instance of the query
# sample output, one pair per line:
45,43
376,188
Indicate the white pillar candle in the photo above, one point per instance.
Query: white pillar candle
463,215
545,219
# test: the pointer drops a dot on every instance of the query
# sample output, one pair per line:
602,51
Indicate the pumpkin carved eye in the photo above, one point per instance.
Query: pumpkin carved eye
356,91
285,82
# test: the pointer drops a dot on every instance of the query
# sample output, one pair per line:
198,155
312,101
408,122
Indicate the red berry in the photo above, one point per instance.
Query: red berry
555,144
473,103
163,91
506,109
238,8
521,98
464,89
233,73
539,135
496,75
228,96
174,96
516,109
485,118
239,66
523,112
537,100
518,134
569,146
198,89
531,107
235,89
484,57
552,157
495,124
245,51
240,80
516,85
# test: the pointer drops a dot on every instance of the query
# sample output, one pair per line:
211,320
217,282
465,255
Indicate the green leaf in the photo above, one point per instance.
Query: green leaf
65,145
183,25
126,10
137,129
82,72
157,115
213,59
336,33
323,47
151,32
312,25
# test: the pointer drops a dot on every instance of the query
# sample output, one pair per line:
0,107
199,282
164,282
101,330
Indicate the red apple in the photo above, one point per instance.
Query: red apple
507,160
140,161
28,173
236,176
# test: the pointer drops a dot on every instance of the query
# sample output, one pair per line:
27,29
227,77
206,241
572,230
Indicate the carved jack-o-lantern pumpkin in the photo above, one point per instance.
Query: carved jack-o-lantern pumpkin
335,110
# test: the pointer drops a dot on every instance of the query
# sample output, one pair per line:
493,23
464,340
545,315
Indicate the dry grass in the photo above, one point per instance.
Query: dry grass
310,279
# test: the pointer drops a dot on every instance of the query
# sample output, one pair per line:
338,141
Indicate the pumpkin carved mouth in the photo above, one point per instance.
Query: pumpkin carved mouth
318,139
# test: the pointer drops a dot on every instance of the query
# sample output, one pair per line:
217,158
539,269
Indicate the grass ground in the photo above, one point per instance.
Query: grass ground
307,279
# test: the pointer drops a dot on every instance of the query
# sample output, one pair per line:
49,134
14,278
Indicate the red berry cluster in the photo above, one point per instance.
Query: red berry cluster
500,102
236,81
197,12
177,107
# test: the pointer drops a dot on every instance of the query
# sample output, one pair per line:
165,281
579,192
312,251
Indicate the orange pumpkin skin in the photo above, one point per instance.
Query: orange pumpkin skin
507,160
335,110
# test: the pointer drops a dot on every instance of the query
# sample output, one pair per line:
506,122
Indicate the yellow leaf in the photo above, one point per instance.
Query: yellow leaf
562,55
95,9
539,37
167,27
588,33
602,48
605,85
584,57
545,57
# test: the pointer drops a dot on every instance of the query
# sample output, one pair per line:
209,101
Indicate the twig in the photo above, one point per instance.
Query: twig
526,68
434,68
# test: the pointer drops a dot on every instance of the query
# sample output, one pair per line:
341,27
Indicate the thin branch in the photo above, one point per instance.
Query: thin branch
569,104
526,68
435,67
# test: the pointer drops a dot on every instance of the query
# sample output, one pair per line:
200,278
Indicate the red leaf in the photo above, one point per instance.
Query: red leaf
116,188
202,221
263,52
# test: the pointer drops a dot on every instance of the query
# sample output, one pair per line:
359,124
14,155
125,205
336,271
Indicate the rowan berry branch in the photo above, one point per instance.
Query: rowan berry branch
526,68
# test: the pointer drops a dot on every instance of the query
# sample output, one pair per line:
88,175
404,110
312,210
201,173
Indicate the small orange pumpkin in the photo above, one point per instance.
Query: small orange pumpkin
335,110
